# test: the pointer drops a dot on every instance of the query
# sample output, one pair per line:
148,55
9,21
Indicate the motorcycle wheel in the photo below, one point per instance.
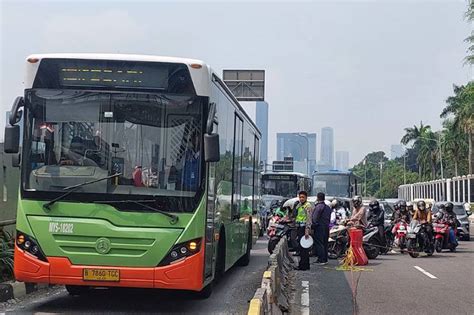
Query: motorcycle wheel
335,251
402,243
438,245
372,251
411,247
272,243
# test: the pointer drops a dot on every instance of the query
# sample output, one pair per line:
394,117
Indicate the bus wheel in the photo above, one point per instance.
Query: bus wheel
220,263
77,289
245,259
205,292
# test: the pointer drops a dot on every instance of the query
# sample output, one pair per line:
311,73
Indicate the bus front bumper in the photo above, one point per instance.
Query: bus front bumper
186,274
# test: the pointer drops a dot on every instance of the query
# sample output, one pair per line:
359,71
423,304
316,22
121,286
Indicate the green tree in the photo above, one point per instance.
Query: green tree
455,149
461,107
421,137
470,39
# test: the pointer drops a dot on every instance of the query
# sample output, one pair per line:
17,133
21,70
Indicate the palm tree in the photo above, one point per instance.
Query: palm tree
470,39
461,105
454,144
418,135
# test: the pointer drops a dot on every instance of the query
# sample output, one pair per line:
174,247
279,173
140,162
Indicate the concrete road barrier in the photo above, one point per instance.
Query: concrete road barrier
273,295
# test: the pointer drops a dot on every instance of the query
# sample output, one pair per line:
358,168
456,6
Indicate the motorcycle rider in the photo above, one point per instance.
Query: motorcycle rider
410,208
359,215
402,213
376,218
449,216
424,217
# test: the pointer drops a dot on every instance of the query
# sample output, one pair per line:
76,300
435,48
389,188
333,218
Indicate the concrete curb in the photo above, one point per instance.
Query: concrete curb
15,290
273,297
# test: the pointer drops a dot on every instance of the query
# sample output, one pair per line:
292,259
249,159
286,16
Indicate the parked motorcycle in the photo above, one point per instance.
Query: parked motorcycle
441,234
418,240
338,241
400,230
277,228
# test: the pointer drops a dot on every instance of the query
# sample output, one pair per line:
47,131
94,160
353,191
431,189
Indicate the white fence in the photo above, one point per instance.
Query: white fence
456,189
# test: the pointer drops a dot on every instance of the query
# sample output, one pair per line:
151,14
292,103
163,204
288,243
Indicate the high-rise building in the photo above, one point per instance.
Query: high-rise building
396,151
327,149
301,146
248,86
342,160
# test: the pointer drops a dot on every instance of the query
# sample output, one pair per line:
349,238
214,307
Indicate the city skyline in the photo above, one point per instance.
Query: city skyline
326,161
342,160
301,146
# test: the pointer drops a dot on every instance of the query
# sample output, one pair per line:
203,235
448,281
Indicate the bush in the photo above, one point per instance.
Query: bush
6,256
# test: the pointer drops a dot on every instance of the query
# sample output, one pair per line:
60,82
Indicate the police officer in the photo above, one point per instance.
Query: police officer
303,209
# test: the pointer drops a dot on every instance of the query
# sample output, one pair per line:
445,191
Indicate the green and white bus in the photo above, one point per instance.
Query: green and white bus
131,173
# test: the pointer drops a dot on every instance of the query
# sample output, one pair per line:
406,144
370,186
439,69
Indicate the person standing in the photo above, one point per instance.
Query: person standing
320,221
303,209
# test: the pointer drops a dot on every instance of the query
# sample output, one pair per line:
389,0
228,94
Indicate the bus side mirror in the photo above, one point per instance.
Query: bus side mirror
12,139
211,148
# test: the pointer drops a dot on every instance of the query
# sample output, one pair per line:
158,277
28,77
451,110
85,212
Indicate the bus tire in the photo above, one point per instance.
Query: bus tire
77,289
220,262
205,292
245,259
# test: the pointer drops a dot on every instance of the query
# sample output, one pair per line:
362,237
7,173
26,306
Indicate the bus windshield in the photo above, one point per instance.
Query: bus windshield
152,140
280,185
336,185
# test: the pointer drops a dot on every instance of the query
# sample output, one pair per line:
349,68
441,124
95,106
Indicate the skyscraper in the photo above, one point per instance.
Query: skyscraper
396,151
327,149
301,146
342,160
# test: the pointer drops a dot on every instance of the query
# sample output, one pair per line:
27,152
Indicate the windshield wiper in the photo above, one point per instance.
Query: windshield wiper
174,218
47,206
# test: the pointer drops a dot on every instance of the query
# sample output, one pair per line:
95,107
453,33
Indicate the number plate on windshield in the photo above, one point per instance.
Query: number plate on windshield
90,274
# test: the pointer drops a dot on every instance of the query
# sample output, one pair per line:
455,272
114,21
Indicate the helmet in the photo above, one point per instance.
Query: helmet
357,201
409,206
334,203
421,205
429,205
374,205
449,207
402,204
396,206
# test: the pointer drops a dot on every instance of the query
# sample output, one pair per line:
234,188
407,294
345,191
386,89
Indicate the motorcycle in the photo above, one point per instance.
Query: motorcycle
277,228
400,231
441,234
418,240
372,243
338,241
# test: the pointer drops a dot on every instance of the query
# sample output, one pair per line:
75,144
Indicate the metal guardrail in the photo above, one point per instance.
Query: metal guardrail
456,189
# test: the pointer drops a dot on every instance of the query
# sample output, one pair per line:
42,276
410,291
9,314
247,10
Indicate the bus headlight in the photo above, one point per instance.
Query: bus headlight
181,251
29,245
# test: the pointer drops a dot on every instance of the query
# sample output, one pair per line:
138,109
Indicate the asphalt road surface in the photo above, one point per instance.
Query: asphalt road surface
392,284
230,296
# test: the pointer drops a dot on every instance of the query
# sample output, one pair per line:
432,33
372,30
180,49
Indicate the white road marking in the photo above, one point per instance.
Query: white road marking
305,298
426,273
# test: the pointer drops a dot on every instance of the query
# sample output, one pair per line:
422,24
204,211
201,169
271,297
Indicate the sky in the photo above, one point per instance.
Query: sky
366,68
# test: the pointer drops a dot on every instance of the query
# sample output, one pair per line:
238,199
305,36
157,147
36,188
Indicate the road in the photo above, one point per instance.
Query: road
393,284
231,296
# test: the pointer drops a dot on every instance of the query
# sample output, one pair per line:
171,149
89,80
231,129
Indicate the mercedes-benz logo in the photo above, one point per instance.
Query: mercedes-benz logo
102,245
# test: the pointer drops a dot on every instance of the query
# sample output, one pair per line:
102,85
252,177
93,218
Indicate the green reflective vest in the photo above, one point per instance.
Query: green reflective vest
302,213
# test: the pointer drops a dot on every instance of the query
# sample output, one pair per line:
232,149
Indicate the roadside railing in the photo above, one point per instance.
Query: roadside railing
273,295
456,189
